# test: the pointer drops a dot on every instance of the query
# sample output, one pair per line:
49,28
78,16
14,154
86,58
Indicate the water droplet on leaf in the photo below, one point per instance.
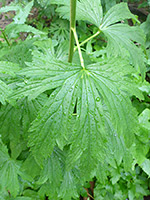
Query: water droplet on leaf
98,99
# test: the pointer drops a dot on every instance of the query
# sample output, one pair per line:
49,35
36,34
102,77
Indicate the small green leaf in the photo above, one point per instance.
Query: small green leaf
146,166
68,188
145,26
121,37
8,68
5,91
9,170
30,167
13,29
17,50
90,11
23,13
117,13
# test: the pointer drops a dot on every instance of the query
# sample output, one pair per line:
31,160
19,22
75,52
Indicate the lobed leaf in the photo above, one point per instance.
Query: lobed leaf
8,68
81,97
121,37
9,170
16,51
19,119
5,91
12,29
117,13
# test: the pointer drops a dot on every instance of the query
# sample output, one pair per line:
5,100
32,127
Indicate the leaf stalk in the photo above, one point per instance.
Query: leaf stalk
85,41
78,46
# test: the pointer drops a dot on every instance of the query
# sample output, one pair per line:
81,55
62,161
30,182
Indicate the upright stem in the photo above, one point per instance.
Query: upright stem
72,27
5,37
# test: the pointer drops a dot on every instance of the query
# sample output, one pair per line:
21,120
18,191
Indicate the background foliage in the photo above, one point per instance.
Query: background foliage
69,132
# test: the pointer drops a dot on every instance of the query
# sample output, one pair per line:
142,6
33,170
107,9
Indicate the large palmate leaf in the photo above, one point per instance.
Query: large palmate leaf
83,97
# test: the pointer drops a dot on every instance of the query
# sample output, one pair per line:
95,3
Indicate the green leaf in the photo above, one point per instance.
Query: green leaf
30,167
107,4
10,8
93,91
29,193
19,119
44,3
121,37
5,91
56,181
23,198
9,176
13,29
23,13
3,153
90,11
144,119
68,188
145,26
117,13
52,173
139,151
8,68
17,50
115,173
101,173
9,170
45,75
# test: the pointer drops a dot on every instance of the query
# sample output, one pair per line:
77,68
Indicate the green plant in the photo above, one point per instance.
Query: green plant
72,120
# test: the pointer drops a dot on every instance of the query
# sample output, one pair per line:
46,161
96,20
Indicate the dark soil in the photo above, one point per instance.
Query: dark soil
5,19
147,198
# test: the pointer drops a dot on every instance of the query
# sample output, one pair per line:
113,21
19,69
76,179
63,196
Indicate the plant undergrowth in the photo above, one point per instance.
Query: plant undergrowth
74,101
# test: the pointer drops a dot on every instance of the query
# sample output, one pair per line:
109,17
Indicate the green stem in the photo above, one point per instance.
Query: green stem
78,46
85,41
72,26
5,37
